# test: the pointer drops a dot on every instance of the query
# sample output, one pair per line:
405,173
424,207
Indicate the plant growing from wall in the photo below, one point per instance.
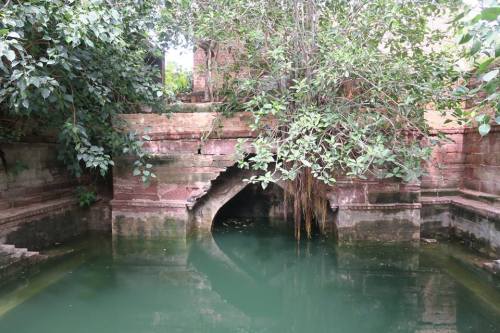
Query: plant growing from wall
73,66
337,88
86,196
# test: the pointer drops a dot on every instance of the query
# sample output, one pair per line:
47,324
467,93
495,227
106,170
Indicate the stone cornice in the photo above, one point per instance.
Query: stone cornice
395,206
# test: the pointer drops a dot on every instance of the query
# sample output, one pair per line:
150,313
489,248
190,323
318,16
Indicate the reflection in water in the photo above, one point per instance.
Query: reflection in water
253,279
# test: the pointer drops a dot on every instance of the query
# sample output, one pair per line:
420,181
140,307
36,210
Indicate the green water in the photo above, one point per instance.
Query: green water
252,280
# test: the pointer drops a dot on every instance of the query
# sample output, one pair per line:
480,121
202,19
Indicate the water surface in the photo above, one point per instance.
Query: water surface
253,279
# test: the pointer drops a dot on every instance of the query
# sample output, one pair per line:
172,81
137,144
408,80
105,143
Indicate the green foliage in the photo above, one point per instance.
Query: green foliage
177,80
75,65
336,87
479,33
86,196
142,167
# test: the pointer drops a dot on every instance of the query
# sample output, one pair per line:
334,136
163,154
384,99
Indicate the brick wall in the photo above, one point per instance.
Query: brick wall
482,161
33,170
446,167
223,58
467,161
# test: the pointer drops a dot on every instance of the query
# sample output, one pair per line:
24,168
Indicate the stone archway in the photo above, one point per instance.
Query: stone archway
255,203
223,189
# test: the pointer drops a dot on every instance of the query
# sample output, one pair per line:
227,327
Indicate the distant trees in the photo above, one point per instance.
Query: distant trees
178,80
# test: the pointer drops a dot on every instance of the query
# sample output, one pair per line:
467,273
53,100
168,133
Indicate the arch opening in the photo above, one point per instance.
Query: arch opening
253,205
231,201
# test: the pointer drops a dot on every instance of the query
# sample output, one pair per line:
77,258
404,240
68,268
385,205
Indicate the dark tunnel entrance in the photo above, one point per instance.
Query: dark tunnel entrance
255,208
253,205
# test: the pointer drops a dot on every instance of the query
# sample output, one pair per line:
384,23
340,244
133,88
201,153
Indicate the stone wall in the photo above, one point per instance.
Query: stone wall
221,58
376,210
466,161
470,219
192,153
482,161
38,206
460,195
446,167
33,171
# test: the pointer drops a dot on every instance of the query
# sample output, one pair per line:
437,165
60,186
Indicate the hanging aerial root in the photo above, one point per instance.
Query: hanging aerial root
308,206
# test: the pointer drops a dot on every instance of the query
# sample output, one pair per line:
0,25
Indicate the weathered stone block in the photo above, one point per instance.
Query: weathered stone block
148,226
378,224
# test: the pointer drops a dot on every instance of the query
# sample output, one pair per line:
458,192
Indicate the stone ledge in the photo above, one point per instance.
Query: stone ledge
469,199
480,207
425,201
479,195
149,203
38,210
380,206
463,130
439,192
190,125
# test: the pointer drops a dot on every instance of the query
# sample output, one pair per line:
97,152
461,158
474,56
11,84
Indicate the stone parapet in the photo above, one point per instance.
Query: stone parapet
196,125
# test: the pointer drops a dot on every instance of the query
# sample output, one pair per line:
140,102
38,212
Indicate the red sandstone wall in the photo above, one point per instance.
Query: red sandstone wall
199,70
468,161
224,57
190,149
187,160
482,161
33,173
446,167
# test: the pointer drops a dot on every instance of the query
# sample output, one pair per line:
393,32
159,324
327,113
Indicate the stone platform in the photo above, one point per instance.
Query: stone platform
470,216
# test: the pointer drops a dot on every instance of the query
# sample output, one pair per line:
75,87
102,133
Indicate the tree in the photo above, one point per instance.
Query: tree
73,66
479,32
337,88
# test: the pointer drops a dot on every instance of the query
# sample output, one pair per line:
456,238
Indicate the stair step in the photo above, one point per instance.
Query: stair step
7,247
482,196
38,198
4,204
31,254
10,254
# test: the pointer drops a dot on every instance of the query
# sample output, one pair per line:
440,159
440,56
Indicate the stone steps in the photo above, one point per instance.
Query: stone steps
481,196
471,204
14,260
441,195
25,200
16,215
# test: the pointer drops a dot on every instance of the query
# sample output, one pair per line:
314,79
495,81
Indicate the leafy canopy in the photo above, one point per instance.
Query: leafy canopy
336,87
74,65
479,32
